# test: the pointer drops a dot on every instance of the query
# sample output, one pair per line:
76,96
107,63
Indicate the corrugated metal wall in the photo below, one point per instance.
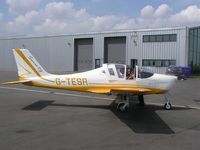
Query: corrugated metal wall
53,53
56,53
158,50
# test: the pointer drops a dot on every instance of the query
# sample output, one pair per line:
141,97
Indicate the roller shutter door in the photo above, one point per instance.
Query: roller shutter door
83,54
115,50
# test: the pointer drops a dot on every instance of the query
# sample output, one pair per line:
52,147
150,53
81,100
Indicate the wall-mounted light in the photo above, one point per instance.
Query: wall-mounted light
68,43
134,38
135,42
23,46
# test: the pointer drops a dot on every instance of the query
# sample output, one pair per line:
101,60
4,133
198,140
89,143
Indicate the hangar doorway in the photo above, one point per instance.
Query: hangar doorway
83,54
115,50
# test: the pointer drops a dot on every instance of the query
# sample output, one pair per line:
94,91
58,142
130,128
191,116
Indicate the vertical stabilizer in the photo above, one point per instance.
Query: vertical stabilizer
27,65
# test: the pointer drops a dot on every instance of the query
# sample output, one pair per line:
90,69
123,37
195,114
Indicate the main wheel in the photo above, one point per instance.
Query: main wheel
167,106
122,107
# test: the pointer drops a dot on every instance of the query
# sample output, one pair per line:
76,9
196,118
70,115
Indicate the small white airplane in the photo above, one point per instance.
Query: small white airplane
108,79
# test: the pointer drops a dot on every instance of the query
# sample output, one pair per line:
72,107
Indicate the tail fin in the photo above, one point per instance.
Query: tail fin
27,65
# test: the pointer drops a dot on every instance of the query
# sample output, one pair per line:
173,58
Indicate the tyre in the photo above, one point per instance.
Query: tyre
167,106
122,107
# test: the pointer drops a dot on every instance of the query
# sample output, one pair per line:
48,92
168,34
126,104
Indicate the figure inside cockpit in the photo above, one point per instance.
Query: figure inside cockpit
130,74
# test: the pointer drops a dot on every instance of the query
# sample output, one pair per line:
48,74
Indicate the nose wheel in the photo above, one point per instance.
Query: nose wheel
167,105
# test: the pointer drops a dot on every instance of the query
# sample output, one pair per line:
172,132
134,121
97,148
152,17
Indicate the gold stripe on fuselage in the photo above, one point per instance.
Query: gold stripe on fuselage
104,88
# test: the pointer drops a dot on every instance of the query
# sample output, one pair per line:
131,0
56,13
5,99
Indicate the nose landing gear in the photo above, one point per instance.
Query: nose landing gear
167,105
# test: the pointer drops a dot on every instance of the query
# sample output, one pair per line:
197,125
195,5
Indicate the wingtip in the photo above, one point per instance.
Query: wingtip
15,82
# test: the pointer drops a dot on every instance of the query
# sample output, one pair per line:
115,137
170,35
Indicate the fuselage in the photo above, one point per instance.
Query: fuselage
99,81
110,78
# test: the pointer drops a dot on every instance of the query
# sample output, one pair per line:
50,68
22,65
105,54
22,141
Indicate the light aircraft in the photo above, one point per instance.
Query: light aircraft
108,79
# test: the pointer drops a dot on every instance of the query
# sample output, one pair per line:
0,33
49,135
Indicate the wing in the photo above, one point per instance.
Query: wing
133,90
139,90
16,82
130,90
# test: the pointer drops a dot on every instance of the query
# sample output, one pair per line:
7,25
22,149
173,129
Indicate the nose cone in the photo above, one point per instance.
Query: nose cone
171,80
165,81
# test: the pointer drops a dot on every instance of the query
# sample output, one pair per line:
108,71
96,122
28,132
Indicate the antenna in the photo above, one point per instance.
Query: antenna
23,46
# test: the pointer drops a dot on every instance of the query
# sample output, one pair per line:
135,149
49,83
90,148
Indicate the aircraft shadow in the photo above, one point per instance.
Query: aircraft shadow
140,119
144,120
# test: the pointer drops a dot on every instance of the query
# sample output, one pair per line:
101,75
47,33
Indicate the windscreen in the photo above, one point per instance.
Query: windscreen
144,73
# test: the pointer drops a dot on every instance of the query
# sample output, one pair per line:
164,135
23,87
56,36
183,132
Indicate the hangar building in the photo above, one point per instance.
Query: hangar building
152,48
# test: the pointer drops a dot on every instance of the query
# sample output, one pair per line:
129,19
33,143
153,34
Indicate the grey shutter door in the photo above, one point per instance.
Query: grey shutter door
83,54
115,50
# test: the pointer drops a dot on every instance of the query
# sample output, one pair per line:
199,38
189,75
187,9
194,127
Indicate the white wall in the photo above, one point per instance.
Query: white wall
53,53
56,53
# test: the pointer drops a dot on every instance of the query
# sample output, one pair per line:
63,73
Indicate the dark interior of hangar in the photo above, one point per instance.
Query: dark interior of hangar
194,49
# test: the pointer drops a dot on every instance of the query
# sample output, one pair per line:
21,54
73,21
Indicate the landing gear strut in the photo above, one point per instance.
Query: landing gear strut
167,105
141,100
123,102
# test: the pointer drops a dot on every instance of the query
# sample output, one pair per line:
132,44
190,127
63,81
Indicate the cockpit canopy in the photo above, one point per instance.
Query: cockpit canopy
120,71
117,70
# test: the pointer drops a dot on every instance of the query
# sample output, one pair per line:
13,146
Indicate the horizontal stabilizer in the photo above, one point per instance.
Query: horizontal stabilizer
16,82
